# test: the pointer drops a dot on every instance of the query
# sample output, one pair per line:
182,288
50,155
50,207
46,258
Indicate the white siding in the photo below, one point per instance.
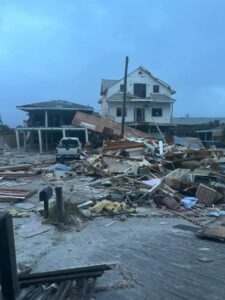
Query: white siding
166,111
136,78
109,107
104,106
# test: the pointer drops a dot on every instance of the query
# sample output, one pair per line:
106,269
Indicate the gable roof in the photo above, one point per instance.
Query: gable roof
157,79
54,105
107,83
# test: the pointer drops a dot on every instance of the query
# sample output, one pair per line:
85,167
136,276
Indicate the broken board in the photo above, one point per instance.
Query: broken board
206,195
8,195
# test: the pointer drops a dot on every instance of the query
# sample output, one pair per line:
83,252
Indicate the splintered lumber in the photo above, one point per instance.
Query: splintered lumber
186,218
16,167
102,180
121,144
106,125
18,174
63,275
122,157
7,195
177,174
213,230
162,186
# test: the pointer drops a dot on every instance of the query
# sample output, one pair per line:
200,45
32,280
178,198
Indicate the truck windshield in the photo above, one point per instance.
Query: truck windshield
69,144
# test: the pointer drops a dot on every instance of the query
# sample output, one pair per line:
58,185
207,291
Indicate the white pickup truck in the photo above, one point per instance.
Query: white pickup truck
68,148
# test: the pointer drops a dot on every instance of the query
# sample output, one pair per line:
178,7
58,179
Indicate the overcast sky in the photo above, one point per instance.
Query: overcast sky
62,49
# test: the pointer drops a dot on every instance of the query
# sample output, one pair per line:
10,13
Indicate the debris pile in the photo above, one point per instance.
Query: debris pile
125,178
123,175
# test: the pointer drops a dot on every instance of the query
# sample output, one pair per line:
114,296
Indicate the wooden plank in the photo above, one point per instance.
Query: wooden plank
206,195
16,167
100,125
15,193
78,270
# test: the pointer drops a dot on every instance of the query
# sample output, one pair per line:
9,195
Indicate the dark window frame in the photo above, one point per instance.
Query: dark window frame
120,109
138,91
157,112
155,88
122,88
136,118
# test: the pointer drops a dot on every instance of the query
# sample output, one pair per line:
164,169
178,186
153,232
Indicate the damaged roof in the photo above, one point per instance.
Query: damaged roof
55,104
107,83
106,125
157,79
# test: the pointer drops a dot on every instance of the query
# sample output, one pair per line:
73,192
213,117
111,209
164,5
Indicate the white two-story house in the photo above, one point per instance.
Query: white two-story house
148,101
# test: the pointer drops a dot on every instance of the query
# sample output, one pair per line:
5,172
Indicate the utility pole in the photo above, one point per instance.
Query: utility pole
124,98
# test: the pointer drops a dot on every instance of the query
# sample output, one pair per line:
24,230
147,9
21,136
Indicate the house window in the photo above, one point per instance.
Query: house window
140,90
122,87
155,88
157,112
119,111
139,114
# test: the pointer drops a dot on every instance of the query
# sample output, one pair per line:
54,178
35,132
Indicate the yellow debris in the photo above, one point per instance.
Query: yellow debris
18,214
110,207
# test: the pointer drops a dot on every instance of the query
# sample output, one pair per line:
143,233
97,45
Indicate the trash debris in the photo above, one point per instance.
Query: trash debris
204,259
109,224
216,213
109,206
206,195
102,125
189,202
171,203
214,230
18,214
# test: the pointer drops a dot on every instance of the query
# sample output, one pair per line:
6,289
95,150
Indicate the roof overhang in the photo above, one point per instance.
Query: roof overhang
143,100
27,108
